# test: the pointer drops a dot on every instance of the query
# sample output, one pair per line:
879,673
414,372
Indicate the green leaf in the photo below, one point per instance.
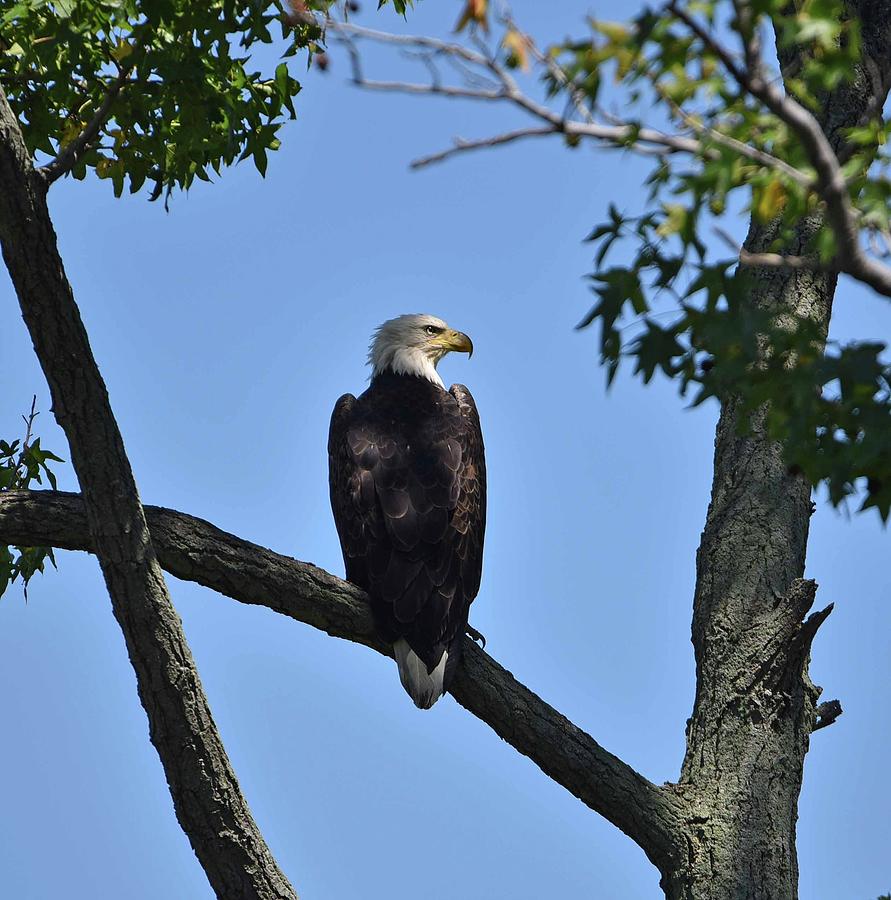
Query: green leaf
655,349
6,569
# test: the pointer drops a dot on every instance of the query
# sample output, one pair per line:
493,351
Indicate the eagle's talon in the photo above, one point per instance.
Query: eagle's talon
475,635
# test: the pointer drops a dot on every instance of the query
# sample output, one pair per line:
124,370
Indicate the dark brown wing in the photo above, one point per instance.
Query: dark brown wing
345,490
469,518
407,479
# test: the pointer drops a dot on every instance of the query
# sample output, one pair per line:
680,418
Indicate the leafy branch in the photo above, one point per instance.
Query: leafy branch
23,462
164,94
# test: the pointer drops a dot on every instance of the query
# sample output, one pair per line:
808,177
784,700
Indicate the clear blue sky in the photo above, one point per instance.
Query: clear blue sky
225,330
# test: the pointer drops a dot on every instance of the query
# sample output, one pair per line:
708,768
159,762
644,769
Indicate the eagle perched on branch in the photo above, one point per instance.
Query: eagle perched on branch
407,475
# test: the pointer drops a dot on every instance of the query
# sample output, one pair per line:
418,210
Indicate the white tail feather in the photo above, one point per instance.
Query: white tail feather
424,687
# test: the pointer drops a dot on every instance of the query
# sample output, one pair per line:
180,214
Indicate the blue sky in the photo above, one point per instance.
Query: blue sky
226,330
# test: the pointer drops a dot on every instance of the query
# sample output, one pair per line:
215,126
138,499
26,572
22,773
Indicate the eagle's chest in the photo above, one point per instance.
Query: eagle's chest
412,422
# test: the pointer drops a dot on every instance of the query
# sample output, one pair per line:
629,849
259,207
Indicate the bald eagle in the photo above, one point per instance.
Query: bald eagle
407,475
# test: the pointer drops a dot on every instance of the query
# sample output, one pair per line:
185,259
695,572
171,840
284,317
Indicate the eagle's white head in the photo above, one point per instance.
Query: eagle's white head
413,345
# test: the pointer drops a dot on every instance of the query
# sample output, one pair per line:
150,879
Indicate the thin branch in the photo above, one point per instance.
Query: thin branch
462,146
772,260
348,30
29,422
407,87
745,150
619,133
68,157
195,550
781,261
747,28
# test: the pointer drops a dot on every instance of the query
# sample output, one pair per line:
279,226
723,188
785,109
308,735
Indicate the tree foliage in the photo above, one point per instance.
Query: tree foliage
149,93
170,86
23,463
830,404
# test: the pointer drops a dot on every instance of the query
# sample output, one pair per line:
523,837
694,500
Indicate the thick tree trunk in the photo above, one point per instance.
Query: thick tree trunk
205,792
755,706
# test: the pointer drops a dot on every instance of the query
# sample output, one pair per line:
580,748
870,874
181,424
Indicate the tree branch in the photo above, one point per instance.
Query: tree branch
206,796
772,260
461,145
68,157
831,184
626,135
194,550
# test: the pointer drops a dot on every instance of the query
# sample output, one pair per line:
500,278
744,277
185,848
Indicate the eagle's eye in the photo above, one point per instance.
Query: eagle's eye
432,329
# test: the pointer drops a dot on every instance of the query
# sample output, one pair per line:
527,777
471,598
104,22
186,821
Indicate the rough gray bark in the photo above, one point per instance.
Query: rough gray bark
755,706
205,792
195,550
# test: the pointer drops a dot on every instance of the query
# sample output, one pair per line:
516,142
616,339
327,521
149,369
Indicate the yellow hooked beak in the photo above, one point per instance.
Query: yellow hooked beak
455,340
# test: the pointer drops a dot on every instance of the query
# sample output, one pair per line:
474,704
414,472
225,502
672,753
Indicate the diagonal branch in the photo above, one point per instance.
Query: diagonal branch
460,145
206,797
195,550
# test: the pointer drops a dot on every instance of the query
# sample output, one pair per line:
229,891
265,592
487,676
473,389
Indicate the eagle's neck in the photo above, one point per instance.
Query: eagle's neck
408,361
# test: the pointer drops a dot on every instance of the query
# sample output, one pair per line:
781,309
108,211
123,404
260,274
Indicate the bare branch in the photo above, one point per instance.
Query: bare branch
348,30
618,133
771,260
462,146
195,550
406,87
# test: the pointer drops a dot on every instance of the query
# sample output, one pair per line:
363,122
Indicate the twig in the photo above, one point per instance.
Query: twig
747,27
770,260
346,29
461,146
407,87
29,422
